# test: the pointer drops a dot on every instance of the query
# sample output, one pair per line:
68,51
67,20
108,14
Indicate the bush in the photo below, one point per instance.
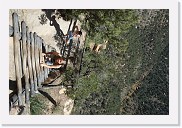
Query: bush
37,106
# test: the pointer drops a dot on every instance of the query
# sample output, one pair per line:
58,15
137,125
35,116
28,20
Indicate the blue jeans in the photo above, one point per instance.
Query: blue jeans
49,62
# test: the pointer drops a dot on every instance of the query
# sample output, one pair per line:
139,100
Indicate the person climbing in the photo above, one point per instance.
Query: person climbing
52,60
73,34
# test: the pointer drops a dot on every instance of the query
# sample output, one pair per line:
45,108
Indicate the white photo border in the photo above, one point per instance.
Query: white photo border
171,119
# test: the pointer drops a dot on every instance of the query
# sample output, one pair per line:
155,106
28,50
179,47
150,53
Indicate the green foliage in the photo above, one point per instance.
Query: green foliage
102,23
136,41
68,75
87,85
37,106
110,24
147,48
154,94
100,74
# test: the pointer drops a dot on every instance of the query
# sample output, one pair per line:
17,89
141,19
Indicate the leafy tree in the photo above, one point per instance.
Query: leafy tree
37,106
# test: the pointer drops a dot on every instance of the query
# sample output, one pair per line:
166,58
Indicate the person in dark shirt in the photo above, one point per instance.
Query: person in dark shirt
52,60
72,34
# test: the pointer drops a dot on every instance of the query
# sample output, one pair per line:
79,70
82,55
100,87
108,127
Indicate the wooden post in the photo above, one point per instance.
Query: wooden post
48,50
63,48
25,71
33,61
46,69
17,57
37,60
74,24
41,68
70,25
30,64
68,55
11,32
